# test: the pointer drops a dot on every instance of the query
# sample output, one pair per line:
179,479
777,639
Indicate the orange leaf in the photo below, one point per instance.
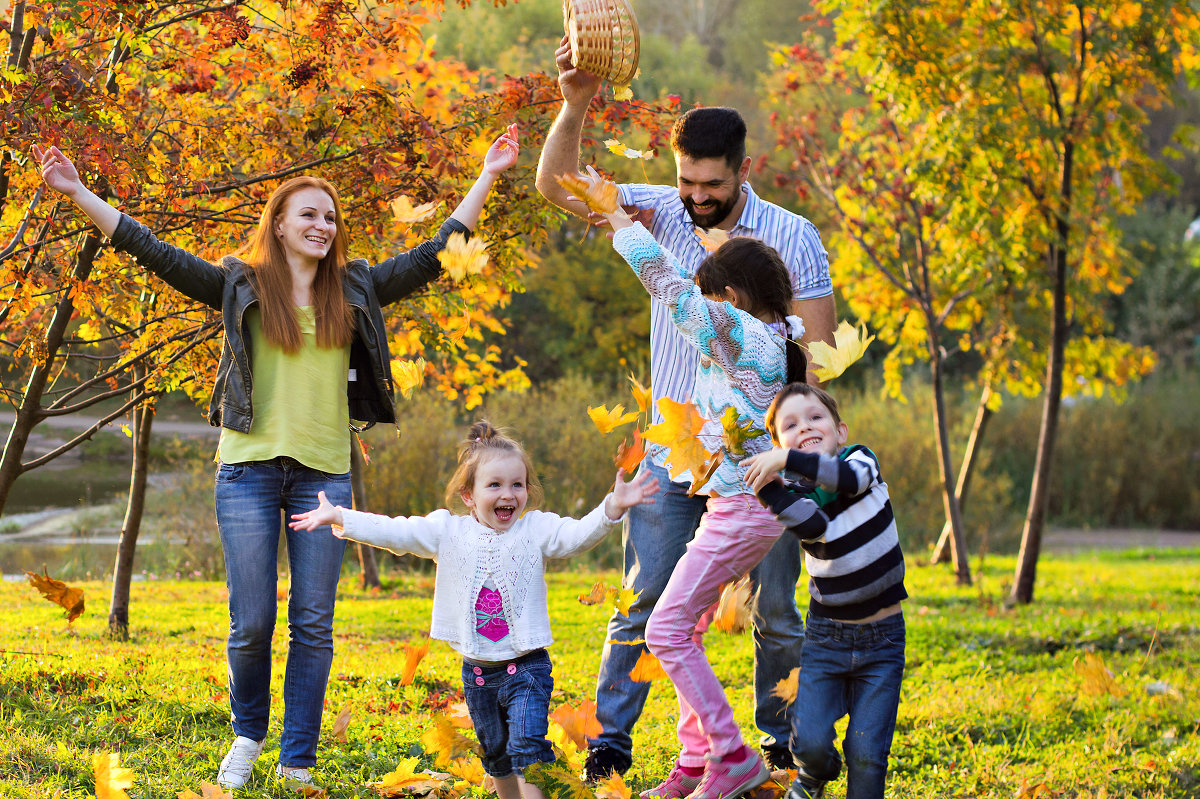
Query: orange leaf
647,668
678,432
413,654
447,743
595,596
733,609
341,723
406,213
630,455
705,473
599,197
59,593
1097,679
786,688
579,723
613,787
641,394
408,375
712,238
207,791
111,779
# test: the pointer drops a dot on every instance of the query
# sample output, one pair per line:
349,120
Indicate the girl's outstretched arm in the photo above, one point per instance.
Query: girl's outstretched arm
500,156
61,175
324,513
638,491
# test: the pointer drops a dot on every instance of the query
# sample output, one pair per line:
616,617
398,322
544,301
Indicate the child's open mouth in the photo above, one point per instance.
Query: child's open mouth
504,513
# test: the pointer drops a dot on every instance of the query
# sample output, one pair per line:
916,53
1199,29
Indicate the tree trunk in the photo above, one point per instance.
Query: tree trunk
118,613
965,470
30,411
358,489
1039,494
958,544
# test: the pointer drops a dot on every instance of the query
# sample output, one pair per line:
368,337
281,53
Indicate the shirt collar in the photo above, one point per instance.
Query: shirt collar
751,216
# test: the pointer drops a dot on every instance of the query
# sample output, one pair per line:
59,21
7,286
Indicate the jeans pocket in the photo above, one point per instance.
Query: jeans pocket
230,472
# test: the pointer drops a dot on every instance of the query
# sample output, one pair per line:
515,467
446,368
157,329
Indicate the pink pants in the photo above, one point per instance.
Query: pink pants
734,535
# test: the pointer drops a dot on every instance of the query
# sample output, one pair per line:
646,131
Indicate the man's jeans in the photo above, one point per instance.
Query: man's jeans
250,497
655,538
854,669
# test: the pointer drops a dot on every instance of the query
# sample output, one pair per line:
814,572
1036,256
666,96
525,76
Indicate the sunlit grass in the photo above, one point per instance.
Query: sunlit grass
991,702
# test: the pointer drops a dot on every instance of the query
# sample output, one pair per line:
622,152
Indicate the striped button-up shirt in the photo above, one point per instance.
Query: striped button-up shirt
673,361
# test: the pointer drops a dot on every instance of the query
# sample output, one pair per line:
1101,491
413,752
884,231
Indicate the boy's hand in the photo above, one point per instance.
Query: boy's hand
765,467
638,491
503,152
323,514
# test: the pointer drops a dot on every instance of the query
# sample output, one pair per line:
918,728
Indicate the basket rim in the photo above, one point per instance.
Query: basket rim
593,28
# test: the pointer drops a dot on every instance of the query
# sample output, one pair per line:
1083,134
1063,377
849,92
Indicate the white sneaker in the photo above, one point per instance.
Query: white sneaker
294,774
239,762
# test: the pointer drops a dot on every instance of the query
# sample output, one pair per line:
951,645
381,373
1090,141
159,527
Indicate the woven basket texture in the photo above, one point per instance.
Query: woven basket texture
604,38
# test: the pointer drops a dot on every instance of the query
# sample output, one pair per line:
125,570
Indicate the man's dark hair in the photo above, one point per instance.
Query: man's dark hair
711,133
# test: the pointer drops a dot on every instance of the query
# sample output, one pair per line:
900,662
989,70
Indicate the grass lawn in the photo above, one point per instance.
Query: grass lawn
995,703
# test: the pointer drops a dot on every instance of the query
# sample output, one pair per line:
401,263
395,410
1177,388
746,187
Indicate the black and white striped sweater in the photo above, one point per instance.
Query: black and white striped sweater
845,524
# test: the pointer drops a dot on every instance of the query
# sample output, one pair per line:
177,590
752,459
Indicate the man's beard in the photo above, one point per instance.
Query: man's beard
711,218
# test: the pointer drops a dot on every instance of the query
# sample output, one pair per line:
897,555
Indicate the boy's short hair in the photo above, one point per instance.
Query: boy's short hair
803,389
711,133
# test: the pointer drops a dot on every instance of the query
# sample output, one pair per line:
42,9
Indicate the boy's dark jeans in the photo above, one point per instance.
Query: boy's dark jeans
855,669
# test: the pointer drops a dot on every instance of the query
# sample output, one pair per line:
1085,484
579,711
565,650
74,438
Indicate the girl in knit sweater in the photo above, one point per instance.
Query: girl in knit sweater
489,600
735,312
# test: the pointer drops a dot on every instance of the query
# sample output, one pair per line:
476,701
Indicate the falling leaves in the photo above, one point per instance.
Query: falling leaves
733,609
413,654
341,723
1097,679
408,375
579,723
462,256
606,420
111,779
641,394
600,197
71,599
678,432
622,598
622,92
712,238
849,344
786,688
630,455
647,668
615,146
447,743
405,212
735,434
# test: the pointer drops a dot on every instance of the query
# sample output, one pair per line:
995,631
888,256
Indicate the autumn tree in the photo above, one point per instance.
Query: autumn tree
1042,105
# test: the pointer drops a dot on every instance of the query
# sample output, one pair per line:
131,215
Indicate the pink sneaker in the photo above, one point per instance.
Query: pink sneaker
725,780
677,785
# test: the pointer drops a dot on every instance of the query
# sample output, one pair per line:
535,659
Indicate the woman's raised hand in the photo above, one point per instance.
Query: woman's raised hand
57,170
324,513
503,152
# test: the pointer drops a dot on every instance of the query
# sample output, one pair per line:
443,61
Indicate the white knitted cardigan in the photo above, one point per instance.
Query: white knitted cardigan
467,552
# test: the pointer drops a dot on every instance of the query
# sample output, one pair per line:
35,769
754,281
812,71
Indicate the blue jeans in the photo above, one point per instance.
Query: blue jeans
250,498
855,669
509,705
655,538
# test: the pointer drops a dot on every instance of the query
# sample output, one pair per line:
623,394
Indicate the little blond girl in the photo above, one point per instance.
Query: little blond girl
489,599
735,313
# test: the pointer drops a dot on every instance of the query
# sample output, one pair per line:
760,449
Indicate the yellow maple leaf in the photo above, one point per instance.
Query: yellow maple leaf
408,375
405,212
641,394
786,688
678,432
1097,679
599,197
614,146
733,608
624,599
606,420
207,791
579,723
71,599
712,238
613,787
404,775
630,455
341,723
647,668
462,256
623,92
735,435
111,779
849,344
447,743
468,769
458,716
413,654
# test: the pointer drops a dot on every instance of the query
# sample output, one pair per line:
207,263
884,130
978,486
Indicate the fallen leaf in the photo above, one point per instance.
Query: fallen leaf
849,344
786,688
599,197
712,238
207,791
733,608
341,723
579,723
647,668
59,593
462,256
469,770
558,781
613,787
408,375
678,432
607,421
405,212
413,654
404,776
1097,679
111,779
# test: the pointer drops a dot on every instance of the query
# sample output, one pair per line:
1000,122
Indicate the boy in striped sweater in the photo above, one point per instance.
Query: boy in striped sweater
853,657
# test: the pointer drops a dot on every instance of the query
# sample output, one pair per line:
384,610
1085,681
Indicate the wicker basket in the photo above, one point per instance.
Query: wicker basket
604,38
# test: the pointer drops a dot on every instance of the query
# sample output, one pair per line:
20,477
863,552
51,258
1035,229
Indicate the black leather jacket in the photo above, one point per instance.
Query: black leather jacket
226,287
